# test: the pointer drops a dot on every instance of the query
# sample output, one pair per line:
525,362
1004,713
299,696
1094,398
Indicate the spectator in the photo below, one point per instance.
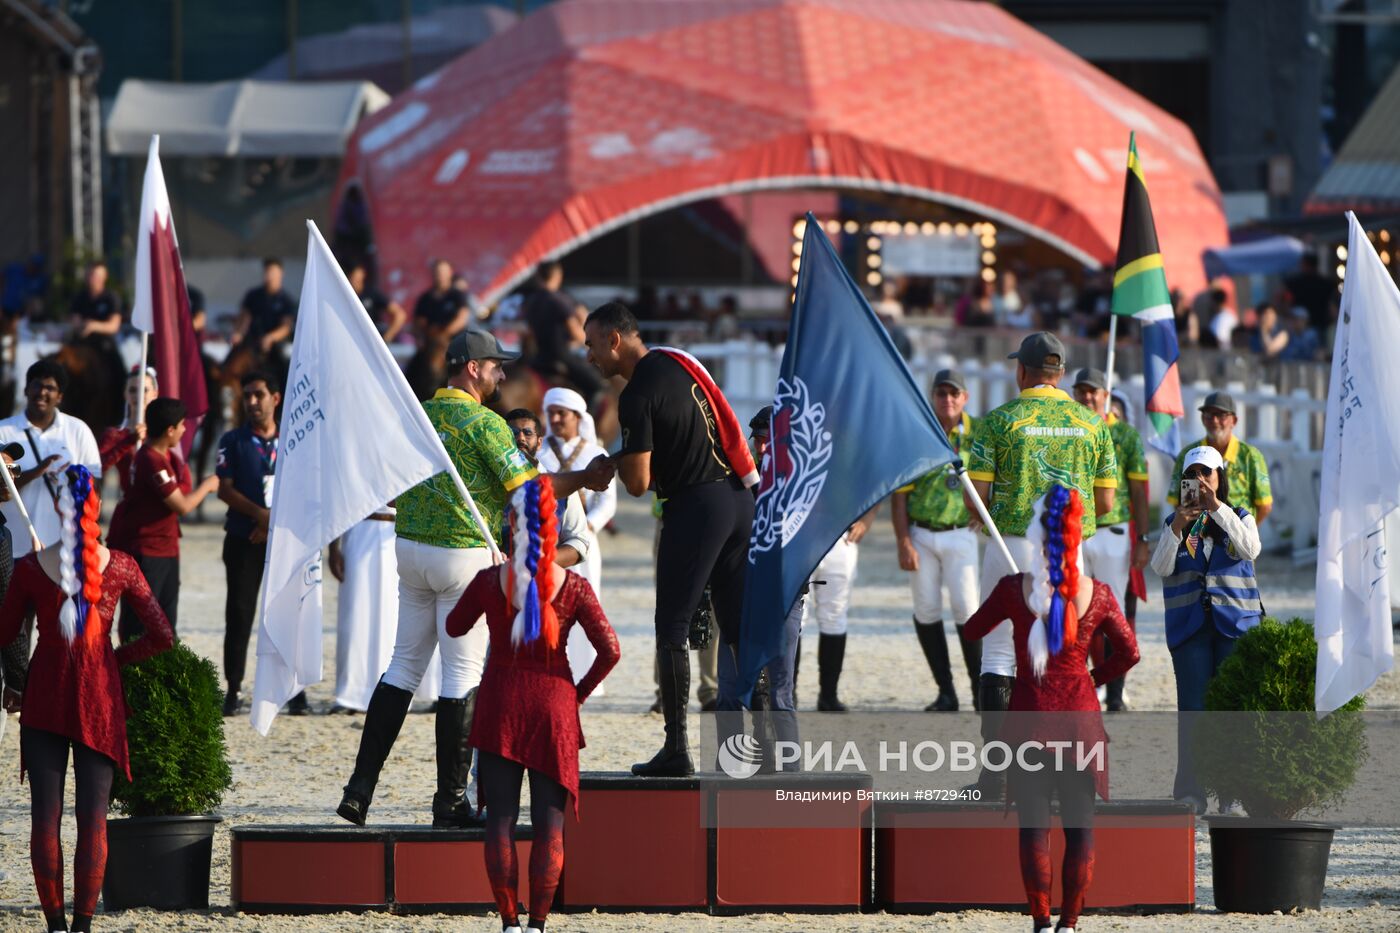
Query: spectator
1205,557
1314,292
1303,342
1223,320
1010,308
441,312
1271,338
388,315
1188,326
97,310
974,308
267,313
1249,472
889,305
556,322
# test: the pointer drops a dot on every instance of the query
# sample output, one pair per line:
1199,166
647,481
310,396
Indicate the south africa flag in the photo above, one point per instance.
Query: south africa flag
1140,291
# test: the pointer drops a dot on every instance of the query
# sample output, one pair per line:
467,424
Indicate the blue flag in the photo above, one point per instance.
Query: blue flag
850,426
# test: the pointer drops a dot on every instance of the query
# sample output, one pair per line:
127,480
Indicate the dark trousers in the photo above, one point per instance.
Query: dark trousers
243,562
163,577
704,540
1194,662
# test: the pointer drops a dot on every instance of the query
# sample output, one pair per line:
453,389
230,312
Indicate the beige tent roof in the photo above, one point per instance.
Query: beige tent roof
240,118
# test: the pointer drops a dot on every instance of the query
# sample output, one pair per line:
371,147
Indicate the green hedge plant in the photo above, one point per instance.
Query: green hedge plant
1269,751
175,735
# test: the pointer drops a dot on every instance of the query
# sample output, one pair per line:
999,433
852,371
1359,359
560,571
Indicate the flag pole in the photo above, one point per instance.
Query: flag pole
141,386
1112,351
986,518
23,512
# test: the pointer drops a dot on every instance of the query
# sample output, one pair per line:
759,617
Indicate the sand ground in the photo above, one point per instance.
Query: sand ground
295,774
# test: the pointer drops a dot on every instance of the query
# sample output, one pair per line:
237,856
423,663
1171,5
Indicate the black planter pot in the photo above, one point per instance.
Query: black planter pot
1260,866
159,861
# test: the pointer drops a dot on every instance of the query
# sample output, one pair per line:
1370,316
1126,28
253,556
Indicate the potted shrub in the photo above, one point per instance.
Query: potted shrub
1261,744
159,856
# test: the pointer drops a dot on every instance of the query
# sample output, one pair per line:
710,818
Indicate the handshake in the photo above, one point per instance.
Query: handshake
599,473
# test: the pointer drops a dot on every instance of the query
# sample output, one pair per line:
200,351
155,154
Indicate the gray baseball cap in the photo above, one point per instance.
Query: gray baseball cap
1220,400
473,344
950,377
1091,377
1040,351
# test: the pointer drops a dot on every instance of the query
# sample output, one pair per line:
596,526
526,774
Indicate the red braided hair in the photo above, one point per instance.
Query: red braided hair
545,572
92,569
1073,534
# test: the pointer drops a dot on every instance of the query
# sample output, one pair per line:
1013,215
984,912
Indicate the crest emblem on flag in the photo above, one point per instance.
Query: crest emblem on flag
794,470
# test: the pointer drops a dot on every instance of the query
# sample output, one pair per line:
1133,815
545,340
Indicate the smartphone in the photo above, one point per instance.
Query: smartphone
1191,492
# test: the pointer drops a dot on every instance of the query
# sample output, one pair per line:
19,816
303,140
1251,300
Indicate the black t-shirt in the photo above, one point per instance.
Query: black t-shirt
99,307
375,305
267,310
439,310
548,315
663,410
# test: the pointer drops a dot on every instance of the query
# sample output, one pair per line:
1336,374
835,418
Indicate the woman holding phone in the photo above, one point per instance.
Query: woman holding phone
1206,560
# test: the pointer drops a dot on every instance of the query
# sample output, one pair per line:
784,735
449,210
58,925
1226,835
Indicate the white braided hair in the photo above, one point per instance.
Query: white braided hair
1038,643
67,570
520,550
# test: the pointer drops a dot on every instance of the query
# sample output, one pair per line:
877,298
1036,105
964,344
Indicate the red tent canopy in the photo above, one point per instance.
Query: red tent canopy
593,113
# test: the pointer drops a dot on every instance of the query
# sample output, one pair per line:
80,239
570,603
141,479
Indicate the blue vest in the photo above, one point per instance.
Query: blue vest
1225,582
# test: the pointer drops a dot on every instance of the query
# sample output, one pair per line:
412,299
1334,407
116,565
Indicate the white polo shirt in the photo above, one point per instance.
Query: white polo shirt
73,442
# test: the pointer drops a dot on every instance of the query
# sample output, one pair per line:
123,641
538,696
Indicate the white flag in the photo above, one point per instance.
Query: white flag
1360,482
353,437
155,215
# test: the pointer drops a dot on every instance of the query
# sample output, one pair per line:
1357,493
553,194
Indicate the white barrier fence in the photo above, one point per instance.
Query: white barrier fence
1283,427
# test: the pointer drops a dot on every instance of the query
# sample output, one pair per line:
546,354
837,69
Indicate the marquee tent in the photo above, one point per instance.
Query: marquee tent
593,113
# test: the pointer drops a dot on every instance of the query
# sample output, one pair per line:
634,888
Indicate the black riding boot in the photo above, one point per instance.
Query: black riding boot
935,645
673,760
451,808
972,659
387,708
831,655
996,699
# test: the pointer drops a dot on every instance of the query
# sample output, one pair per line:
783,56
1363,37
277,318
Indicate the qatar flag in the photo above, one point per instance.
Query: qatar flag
162,305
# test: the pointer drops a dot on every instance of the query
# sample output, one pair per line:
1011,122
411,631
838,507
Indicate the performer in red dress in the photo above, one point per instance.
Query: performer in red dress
1055,614
74,693
526,715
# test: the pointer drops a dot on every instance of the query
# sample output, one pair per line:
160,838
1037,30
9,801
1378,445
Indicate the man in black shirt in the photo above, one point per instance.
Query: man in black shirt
266,314
388,315
554,321
670,443
441,312
96,310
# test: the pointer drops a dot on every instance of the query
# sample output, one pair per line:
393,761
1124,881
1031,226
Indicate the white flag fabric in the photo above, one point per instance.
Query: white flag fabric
353,437
155,212
1360,482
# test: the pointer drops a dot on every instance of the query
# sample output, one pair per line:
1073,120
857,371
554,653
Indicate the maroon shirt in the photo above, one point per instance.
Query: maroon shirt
142,523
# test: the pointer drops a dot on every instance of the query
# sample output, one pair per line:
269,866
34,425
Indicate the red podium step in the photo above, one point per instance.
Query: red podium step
327,869
944,857
636,844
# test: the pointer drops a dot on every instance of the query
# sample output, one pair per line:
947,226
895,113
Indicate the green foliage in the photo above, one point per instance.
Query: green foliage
175,735
1261,743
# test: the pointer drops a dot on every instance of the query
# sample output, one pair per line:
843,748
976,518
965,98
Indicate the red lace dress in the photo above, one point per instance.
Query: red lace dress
527,705
1067,689
75,690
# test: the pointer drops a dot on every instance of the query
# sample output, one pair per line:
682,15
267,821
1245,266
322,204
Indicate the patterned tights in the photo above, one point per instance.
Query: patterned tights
46,759
1033,791
500,786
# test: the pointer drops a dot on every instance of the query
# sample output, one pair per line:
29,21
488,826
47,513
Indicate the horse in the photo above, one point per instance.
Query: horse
224,388
96,378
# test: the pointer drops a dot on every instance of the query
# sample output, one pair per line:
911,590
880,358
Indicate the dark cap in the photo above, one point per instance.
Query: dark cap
950,377
1091,377
473,344
1220,400
759,423
1037,351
